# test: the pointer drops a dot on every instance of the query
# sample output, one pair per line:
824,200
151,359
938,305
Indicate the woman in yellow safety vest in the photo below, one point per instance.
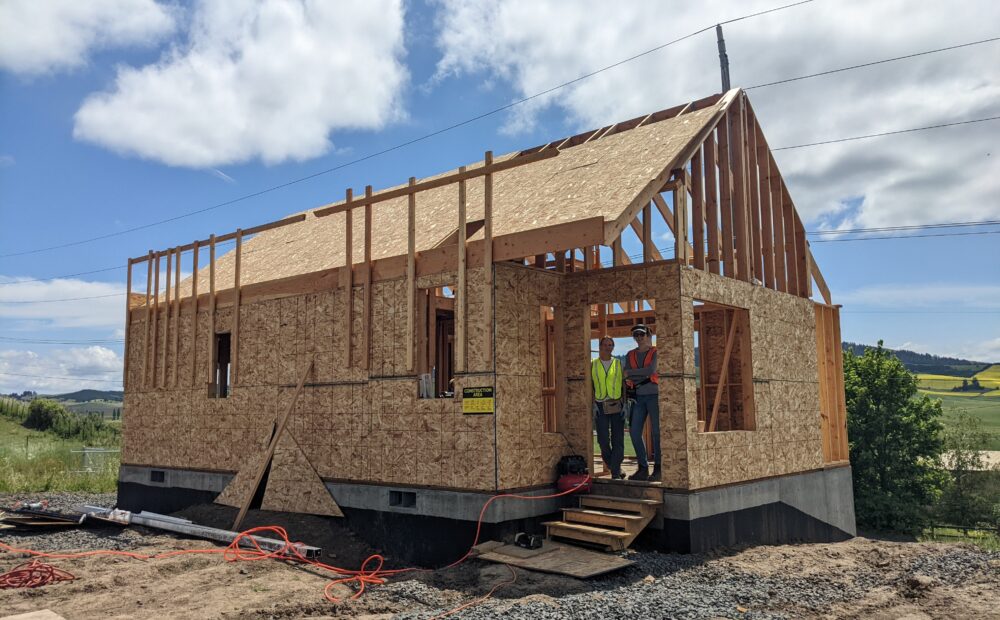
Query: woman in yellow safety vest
609,380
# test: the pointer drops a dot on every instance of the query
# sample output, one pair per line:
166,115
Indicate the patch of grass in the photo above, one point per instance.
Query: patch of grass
983,539
34,461
629,448
982,406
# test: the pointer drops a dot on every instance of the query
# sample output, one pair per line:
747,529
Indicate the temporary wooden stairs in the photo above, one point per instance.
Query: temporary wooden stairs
606,521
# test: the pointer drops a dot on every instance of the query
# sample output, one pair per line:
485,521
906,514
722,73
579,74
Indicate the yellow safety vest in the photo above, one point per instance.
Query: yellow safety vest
607,385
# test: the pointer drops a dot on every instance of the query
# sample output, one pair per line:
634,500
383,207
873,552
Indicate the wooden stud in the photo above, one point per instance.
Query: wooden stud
802,255
638,230
559,381
411,272
841,397
647,233
756,232
235,338
211,310
128,323
166,325
366,319
766,207
617,254
726,200
461,291
724,374
826,416
488,310
680,224
177,318
146,364
737,149
791,251
269,454
194,316
778,211
712,203
698,210
820,280
348,278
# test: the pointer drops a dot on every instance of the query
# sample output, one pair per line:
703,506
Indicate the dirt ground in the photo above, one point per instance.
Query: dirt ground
861,578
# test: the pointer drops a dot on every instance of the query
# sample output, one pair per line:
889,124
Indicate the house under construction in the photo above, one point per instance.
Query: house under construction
400,356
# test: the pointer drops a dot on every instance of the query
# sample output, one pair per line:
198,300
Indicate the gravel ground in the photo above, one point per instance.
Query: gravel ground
858,578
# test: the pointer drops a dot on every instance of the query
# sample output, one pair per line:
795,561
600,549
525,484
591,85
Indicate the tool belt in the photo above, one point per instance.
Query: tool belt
611,407
631,386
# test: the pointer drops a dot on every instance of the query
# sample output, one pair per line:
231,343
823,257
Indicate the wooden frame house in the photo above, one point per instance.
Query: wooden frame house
400,356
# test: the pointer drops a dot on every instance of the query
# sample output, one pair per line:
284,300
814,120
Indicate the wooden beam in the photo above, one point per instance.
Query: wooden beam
737,150
724,373
411,272
778,214
177,318
166,324
698,209
711,204
462,175
128,323
234,341
211,311
488,258
461,290
667,213
269,453
766,206
348,277
826,415
647,233
294,219
366,318
726,200
756,230
617,254
802,254
194,316
680,224
820,280
843,450
639,231
791,249
146,364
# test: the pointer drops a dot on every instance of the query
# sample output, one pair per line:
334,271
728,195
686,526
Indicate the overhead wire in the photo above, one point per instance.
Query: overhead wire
15,374
887,133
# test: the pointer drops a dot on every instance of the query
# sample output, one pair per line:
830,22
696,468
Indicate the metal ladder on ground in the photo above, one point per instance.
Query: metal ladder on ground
603,520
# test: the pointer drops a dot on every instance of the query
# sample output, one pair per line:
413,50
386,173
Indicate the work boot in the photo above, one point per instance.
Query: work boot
656,472
640,475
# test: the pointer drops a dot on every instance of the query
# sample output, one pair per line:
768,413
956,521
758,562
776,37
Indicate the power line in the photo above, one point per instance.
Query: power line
50,301
954,234
910,227
39,341
887,133
870,64
68,275
403,144
14,374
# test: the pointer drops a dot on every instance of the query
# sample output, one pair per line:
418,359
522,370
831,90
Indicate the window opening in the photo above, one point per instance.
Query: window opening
436,349
220,375
723,368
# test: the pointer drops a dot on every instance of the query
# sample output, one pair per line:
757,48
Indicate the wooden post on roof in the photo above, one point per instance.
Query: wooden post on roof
778,211
166,324
177,317
411,271
366,319
766,207
211,313
194,315
461,291
647,233
756,228
128,323
488,256
149,319
698,210
726,199
680,222
235,339
348,277
737,150
712,203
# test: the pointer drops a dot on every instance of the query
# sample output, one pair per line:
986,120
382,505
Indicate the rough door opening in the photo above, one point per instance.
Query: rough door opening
436,342
616,320
220,375
724,368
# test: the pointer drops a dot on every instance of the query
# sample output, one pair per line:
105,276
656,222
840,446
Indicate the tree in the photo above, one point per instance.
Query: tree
895,442
972,493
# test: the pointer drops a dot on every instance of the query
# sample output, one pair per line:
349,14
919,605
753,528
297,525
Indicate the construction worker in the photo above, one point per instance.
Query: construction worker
609,394
641,378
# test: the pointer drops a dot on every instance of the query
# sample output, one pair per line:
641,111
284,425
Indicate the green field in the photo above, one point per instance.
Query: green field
33,461
104,407
984,406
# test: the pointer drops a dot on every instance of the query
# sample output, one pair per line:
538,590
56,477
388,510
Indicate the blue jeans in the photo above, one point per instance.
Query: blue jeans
610,437
645,405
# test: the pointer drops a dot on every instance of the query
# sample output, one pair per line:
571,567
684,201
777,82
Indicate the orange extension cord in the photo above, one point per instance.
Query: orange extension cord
235,553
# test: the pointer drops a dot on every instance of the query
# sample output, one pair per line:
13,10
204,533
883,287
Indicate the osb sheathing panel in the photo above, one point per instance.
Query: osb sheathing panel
599,178
349,427
785,387
293,484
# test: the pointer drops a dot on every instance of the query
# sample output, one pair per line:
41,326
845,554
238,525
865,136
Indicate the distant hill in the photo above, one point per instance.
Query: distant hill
927,363
86,395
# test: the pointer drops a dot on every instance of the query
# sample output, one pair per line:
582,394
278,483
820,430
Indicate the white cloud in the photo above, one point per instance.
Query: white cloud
982,297
933,176
267,80
52,35
60,370
104,308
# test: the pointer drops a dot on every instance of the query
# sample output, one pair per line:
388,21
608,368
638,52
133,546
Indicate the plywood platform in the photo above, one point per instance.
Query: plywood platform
557,558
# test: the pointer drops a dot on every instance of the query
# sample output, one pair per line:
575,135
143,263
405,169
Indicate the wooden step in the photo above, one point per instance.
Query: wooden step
632,523
615,540
624,504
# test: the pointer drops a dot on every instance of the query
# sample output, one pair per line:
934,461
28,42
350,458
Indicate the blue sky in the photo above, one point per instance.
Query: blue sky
119,113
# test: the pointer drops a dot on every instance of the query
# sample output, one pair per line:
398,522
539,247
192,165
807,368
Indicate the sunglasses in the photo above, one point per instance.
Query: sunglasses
640,336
